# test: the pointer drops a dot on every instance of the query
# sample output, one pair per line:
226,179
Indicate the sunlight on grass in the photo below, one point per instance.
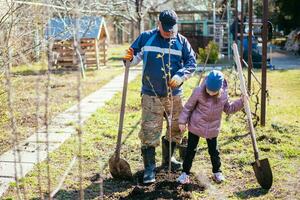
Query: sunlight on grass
278,141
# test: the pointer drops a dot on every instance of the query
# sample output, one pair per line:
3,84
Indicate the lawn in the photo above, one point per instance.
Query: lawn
278,141
29,82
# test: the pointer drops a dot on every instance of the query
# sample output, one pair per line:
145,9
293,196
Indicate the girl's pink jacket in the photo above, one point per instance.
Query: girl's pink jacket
203,112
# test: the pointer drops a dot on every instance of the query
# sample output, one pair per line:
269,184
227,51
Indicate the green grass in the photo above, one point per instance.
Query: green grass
63,92
278,141
116,53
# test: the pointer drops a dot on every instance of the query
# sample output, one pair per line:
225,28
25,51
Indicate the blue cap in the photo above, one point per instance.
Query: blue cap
214,80
168,19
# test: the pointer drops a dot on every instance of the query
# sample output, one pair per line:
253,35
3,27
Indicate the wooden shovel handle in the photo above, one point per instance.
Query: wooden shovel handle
246,103
122,112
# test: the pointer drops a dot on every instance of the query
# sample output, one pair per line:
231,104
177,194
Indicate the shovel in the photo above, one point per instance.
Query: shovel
262,167
118,167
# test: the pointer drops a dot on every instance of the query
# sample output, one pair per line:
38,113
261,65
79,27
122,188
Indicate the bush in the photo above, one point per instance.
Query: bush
214,53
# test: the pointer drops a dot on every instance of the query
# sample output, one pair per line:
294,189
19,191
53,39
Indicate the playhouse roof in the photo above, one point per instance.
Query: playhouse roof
64,28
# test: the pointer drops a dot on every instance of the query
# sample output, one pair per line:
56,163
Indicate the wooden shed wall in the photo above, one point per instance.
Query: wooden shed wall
66,55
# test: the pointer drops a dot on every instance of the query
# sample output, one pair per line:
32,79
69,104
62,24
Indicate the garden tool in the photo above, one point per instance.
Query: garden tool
262,167
118,167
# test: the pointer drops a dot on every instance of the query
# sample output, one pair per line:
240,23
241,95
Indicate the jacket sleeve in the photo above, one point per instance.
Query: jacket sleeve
189,61
137,46
232,107
189,107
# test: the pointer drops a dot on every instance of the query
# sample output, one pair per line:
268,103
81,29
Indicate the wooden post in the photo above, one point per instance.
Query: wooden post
104,52
36,45
75,56
250,64
264,63
97,53
50,53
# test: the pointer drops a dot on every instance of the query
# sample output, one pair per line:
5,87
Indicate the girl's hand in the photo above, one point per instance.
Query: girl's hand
245,98
182,127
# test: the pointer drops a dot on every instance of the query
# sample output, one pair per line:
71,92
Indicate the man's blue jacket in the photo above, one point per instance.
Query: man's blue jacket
154,50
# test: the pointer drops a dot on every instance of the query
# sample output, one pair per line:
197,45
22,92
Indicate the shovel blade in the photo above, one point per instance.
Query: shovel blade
119,169
263,173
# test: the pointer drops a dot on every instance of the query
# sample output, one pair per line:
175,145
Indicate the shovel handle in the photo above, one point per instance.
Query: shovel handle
246,103
122,112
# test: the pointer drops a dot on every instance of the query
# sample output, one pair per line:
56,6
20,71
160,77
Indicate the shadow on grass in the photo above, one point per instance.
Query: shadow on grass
59,71
249,193
30,72
115,58
111,188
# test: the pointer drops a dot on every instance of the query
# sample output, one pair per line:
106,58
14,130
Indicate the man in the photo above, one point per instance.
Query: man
236,24
153,48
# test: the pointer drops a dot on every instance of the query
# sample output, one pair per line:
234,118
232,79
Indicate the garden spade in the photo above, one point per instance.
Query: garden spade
118,167
262,167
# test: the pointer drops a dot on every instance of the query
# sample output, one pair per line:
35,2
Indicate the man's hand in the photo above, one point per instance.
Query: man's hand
182,127
129,54
175,81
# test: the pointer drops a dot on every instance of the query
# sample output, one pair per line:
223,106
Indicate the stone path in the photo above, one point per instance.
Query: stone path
285,60
282,59
60,129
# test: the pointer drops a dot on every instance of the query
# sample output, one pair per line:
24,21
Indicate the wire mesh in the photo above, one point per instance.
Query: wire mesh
51,190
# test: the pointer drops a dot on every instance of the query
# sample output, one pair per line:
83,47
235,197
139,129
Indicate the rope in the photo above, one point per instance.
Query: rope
13,124
60,184
80,71
246,64
46,115
37,85
17,156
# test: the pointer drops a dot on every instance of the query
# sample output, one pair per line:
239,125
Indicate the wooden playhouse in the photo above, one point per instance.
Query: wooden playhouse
93,36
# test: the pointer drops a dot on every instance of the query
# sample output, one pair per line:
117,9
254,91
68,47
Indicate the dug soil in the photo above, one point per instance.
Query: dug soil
165,187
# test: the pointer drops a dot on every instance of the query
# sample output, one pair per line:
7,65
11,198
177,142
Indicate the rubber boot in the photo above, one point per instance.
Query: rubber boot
175,165
148,154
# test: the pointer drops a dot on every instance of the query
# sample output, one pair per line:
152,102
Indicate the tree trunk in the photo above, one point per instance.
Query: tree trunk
140,19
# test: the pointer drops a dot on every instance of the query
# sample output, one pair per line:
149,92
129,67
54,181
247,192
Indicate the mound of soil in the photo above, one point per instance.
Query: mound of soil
165,187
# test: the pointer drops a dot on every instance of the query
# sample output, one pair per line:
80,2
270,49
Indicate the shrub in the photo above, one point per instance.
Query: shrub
214,53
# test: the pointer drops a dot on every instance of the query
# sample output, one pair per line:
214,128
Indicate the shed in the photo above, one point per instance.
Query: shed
93,36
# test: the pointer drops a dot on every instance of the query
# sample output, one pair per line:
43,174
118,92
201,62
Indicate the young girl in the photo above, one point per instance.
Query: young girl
202,113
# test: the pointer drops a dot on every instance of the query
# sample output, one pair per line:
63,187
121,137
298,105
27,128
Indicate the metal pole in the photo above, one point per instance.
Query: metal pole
242,31
236,21
250,64
264,63
214,19
228,30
